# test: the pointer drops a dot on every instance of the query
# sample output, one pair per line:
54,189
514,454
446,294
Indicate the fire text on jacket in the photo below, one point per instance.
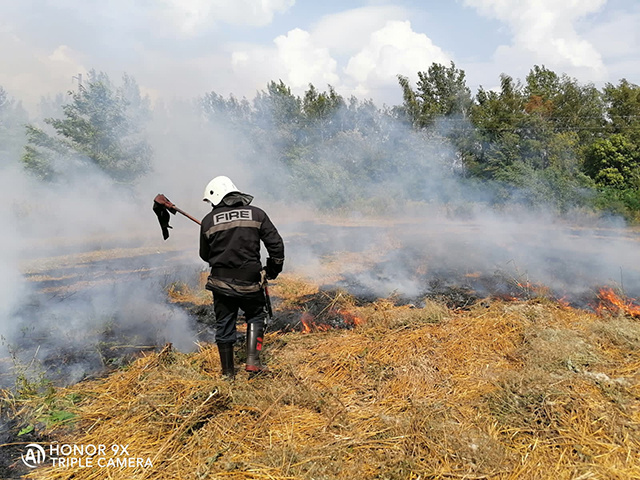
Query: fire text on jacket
230,216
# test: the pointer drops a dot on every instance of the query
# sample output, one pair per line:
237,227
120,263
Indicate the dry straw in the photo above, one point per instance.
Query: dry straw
508,390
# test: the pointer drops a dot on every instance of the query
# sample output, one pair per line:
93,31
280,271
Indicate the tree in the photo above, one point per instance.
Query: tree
232,110
498,117
321,106
443,101
440,92
13,117
623,109
614,162
101,127
565,104
323,113
502,111
51,107
365,117
545,123
277,106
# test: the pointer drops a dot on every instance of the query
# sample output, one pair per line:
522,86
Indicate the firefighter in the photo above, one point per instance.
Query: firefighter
230,237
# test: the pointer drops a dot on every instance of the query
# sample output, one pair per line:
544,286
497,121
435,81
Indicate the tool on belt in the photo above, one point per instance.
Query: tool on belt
265,289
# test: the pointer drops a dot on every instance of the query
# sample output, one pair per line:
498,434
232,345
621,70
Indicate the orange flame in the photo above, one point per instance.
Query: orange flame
350,318
309,323
611,302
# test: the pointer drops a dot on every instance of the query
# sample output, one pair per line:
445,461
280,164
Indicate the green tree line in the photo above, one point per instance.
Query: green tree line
101,126
548,139
545,141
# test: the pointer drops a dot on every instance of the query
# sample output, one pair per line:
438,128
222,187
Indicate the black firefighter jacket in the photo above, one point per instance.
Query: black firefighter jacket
230,238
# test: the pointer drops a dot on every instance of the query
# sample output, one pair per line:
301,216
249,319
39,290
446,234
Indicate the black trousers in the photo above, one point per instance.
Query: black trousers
226,310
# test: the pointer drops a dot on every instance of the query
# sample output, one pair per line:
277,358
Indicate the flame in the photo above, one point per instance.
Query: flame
307,321
309,324
611,302
349,319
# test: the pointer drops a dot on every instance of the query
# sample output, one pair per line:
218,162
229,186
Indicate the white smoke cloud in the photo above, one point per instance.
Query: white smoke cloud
13,286
64,281
47,71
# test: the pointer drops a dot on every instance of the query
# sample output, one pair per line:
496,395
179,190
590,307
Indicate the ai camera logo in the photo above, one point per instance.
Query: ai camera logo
34,455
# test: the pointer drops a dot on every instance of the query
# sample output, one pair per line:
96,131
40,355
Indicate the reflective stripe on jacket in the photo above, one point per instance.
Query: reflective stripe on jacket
230,238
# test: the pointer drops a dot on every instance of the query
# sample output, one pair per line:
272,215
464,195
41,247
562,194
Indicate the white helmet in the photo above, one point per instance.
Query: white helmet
217,188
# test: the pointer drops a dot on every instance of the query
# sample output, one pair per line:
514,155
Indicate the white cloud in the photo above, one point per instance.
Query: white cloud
394,49
349,31
175,47
304,60
191,17
617,36
544,31
618,40
295,59
300,57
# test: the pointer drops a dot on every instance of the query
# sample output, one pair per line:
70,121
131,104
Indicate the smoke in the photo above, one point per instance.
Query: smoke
492,253
83,269
12,284
379,210
430,225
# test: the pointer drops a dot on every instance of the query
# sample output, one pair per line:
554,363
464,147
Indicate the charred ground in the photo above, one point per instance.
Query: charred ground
378,316
518,389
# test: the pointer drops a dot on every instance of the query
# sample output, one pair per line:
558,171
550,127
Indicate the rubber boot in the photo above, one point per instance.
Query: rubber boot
226,360
254,346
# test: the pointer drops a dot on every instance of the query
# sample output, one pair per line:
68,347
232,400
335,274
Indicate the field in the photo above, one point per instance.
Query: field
450,383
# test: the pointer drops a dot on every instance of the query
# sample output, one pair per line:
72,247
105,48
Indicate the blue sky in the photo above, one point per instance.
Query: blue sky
184,48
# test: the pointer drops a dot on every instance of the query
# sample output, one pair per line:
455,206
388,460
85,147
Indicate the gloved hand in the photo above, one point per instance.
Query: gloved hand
273,267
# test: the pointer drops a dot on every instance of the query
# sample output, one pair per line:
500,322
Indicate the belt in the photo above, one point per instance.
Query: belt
236,274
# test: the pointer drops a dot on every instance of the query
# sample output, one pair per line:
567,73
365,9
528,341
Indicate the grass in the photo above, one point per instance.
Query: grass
503,390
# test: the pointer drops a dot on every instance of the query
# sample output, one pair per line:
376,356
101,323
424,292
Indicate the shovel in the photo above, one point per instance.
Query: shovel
162,206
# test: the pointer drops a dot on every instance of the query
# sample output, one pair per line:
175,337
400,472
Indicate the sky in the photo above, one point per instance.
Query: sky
185,48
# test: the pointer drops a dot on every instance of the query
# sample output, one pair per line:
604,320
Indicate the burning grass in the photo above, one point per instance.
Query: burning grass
501,390
614,303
